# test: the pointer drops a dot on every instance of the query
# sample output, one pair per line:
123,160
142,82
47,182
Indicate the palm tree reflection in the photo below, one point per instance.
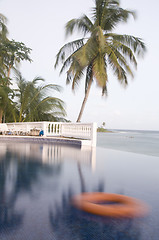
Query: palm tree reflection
69,223
18,173
10,218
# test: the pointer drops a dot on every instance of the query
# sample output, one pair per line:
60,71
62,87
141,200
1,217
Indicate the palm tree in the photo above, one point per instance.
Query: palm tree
99,48
33,101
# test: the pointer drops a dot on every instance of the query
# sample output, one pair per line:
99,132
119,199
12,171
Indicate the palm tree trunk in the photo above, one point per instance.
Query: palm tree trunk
1,115
4,118
85,100
9,70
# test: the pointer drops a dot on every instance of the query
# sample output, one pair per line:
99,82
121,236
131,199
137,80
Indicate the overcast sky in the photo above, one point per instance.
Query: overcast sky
40,25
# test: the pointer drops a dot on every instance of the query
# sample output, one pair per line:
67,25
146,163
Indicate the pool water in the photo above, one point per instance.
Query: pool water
38,181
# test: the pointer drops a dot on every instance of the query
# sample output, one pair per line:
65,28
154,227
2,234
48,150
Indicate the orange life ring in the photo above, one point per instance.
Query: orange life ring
123,206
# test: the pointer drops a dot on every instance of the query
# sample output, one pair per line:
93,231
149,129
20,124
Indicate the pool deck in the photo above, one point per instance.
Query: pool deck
37,139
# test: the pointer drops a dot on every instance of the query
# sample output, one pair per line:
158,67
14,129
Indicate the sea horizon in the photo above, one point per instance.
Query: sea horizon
140,130
137,141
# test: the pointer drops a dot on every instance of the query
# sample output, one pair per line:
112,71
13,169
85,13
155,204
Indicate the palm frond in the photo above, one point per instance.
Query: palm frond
108,14
113,60
3,27
87,53
49,104
74,74
68,61
125,51
68,49
51,86
76,79
82,24
135,43
33,101
122,61
99,70
37,79
104,91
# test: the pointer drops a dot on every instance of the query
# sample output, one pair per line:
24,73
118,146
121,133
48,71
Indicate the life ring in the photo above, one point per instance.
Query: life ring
123,206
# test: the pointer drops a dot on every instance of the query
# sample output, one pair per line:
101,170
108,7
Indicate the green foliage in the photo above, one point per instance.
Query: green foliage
100,47
6,95
16,51
101,129
34,103
11,52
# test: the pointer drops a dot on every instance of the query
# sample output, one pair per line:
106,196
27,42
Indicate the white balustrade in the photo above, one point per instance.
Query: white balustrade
87,131
52,128
72,130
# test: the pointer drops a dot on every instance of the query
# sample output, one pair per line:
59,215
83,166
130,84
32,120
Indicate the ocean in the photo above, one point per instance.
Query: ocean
136,141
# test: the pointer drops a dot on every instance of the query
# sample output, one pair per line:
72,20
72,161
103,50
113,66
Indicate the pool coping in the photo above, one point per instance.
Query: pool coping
38,139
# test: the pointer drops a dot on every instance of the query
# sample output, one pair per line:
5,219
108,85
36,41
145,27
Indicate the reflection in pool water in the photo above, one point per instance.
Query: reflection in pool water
37,182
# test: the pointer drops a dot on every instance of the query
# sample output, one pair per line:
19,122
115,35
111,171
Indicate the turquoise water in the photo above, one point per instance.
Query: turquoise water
38,181
143,142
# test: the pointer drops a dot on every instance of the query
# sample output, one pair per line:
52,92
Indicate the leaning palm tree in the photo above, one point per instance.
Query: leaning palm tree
34,103
99,48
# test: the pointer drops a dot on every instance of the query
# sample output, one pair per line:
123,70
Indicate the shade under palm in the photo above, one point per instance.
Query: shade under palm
99,48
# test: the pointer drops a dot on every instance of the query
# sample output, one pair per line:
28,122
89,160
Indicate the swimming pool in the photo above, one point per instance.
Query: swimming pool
37,182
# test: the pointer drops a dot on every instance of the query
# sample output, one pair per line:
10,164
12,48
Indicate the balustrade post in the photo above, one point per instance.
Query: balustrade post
44,128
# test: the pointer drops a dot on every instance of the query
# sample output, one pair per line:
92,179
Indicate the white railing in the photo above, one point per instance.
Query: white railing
87,131
52,128
72,130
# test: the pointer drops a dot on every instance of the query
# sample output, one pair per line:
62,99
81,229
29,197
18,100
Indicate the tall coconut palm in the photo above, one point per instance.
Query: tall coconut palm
99,48
35,104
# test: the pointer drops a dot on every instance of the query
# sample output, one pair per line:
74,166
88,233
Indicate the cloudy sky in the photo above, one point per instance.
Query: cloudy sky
40,25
